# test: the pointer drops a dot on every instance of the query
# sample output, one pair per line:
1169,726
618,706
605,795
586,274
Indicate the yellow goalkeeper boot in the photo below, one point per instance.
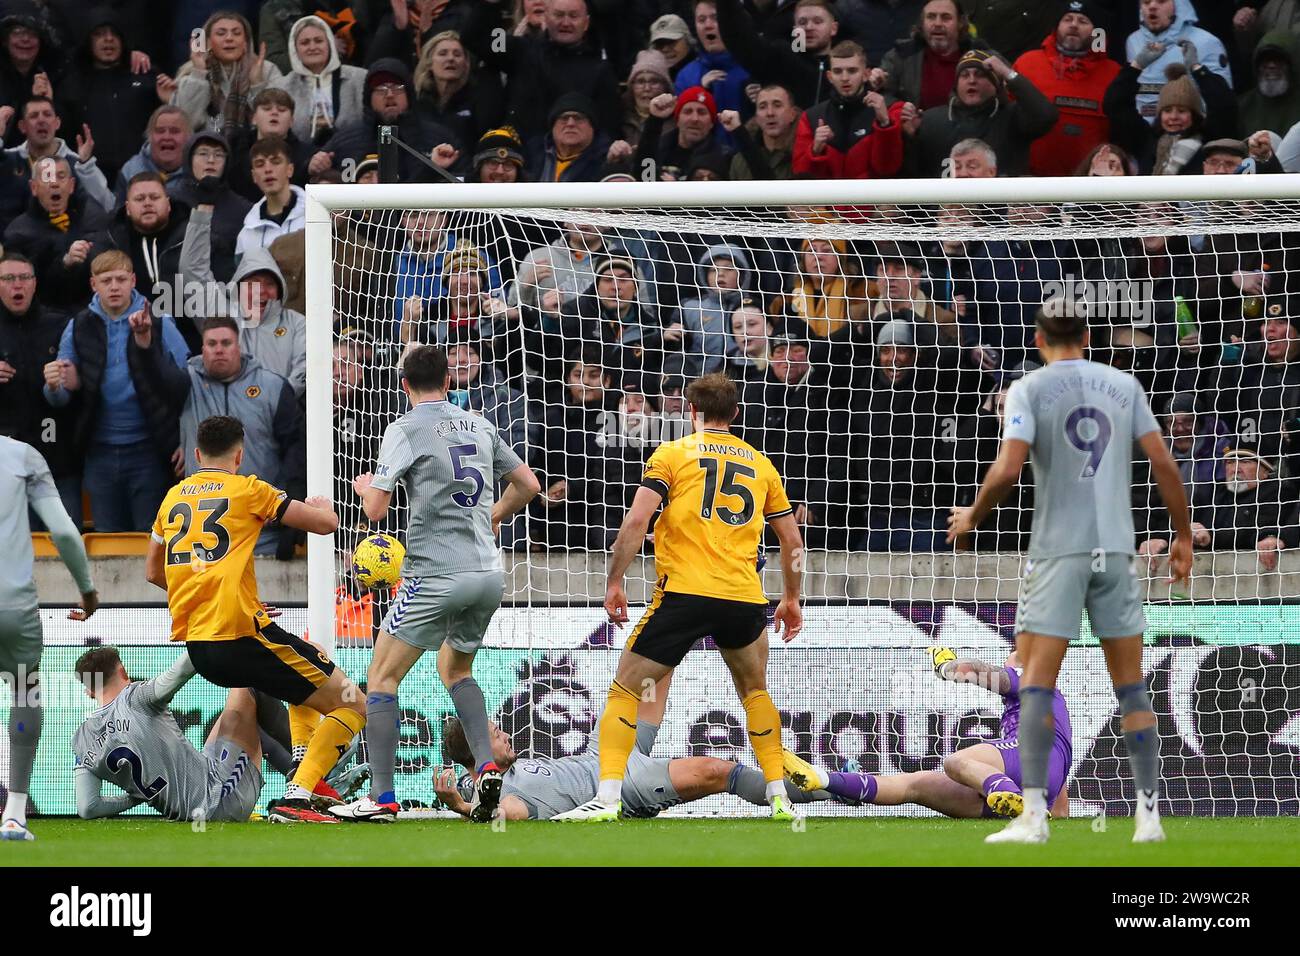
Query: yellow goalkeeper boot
803,774
1005,803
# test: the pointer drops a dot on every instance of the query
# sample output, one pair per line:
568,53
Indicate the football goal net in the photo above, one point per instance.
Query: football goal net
873,330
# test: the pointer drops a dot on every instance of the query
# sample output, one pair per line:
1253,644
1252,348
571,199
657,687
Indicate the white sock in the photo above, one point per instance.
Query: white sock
1148,804
1035,800
610,791
775,788
16,807
295,792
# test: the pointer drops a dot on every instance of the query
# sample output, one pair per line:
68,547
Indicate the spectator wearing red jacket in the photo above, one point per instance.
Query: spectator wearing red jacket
853,135
1073,75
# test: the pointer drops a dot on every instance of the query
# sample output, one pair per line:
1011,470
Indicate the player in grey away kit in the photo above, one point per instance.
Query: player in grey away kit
134,742
449,461
1080,420
25,482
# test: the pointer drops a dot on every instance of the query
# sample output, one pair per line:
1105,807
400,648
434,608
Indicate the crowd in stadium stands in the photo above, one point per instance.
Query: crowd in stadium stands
155,147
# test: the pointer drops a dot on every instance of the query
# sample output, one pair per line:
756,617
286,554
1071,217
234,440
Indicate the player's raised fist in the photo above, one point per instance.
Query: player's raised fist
362,482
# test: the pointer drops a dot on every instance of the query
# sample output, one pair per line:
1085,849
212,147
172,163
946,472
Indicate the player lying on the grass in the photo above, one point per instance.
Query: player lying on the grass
134,742
25,482
983,780
449,460
201,554
542,788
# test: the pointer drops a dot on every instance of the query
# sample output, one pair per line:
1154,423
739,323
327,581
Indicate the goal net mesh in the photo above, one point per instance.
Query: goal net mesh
873,347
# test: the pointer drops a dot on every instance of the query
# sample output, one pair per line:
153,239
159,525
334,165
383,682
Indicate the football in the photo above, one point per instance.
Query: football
377,561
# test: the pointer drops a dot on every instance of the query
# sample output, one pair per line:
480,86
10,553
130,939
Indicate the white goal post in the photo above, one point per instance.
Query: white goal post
877,594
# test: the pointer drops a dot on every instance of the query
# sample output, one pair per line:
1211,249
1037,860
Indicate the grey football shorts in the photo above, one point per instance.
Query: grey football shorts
1055,592
20,641
234,781
455,608
647,788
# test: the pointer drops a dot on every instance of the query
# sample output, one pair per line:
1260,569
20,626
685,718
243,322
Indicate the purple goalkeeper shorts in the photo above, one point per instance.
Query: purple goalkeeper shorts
1058,765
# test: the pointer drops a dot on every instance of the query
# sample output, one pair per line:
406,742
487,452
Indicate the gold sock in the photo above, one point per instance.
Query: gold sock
617,731
763,723
327,745
303,721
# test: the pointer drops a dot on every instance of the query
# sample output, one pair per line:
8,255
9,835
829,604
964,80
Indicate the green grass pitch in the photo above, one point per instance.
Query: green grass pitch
839,841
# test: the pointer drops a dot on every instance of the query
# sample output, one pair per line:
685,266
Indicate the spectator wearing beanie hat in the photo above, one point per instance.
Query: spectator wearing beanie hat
1193,107
695,133
1074,76
498,157
573,151
648,79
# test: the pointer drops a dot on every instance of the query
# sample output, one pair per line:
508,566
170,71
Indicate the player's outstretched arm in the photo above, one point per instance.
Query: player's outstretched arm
72,551
315,515
788,618
522,487
1001,478
91,805
1174,495
969,670
160,691
631,536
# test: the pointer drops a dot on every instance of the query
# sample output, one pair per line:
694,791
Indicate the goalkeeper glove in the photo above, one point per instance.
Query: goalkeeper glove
939,657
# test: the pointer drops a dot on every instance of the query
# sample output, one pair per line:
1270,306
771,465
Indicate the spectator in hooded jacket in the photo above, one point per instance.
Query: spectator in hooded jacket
40,122
853,134
541,69
277,19
223,380
216,87
163,151
723,277
1274,103
390,101
1167,33
451,94
1073,76
797,67
923,68
326,93
714,68
283,208
149,228
204,181
57,232
574,150
126,420
980,108
104,90
29,340
31,62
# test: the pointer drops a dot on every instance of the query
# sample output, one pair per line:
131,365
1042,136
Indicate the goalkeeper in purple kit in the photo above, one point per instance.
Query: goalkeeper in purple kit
982,780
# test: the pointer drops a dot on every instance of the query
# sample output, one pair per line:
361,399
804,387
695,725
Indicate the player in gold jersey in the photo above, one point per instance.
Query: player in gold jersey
201,554
718,492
